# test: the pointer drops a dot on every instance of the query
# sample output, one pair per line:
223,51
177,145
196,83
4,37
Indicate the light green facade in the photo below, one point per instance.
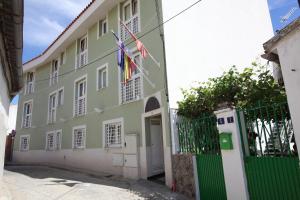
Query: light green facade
106,99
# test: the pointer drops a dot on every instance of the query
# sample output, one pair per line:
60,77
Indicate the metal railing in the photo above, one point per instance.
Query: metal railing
269,130
199,136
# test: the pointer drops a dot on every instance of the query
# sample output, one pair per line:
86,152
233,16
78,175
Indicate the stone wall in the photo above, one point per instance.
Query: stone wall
183,173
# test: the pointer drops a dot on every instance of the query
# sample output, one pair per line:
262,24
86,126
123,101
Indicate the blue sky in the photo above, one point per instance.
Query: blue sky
283,12
45,20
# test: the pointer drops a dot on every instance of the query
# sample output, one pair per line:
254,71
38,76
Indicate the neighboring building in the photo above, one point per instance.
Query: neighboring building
76,112
283,50
211,37
11,41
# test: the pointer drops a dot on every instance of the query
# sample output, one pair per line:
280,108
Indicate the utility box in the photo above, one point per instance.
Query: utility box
226,141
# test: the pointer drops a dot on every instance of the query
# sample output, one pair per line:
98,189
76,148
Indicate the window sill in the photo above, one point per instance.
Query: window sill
113,147
132,101
101,89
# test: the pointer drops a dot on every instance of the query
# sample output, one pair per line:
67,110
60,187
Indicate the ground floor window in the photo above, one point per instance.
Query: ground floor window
113,133
79,134
53,140
24,142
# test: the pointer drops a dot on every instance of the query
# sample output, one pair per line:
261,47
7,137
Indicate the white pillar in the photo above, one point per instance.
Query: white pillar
233,163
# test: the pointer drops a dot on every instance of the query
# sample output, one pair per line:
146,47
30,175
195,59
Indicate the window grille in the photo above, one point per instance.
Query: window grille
113,134
24,143
79,138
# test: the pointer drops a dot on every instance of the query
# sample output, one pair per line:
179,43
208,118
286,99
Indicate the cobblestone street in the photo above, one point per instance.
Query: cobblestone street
46,183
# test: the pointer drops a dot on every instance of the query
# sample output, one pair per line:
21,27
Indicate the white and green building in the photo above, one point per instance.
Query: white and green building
75,111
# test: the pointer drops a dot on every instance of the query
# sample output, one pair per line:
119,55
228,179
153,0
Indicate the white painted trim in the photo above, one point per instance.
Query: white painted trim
24,136
85,136
25,102
112,121
97,76
75,82
61,132
52,93
63,96
99,23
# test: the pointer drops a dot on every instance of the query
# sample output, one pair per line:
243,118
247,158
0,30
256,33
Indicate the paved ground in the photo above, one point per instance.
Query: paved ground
45,183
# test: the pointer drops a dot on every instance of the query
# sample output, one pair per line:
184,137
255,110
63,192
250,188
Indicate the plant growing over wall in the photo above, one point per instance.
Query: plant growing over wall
243,89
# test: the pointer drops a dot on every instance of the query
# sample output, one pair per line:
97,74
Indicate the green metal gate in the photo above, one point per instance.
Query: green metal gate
200,136
271,160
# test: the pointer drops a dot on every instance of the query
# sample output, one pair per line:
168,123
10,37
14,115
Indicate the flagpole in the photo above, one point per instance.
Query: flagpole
135,38
139,68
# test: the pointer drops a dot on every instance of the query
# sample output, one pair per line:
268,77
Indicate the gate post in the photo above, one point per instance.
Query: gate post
232,154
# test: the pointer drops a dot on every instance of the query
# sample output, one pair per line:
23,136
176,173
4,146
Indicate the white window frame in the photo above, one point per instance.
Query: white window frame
134,77
104,134
30,115
62,58
54,73
78,80
79,53
84,137
100,24
53,109
61,102
28,139
27,91
101,68
56,146
137,15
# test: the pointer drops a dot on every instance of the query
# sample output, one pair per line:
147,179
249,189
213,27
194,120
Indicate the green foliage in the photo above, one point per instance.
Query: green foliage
242,89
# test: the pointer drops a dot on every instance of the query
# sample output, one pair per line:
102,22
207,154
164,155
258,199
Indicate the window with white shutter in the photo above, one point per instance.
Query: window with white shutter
80,98
27,114
52,108
29,86
54,72
82,50
132,90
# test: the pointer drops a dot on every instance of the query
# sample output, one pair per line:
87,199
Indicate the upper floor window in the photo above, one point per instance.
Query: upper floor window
80,98
60,97
132,90
82,49
24,142
29,83
130,17
113,133
102,74
53,140
54,72
103,27
52,108
27,114
79,134
63,58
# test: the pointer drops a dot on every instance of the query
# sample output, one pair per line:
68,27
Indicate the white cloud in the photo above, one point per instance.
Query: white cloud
45,20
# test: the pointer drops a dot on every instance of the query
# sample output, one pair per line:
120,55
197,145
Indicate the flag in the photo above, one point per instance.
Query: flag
121,53
140,46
